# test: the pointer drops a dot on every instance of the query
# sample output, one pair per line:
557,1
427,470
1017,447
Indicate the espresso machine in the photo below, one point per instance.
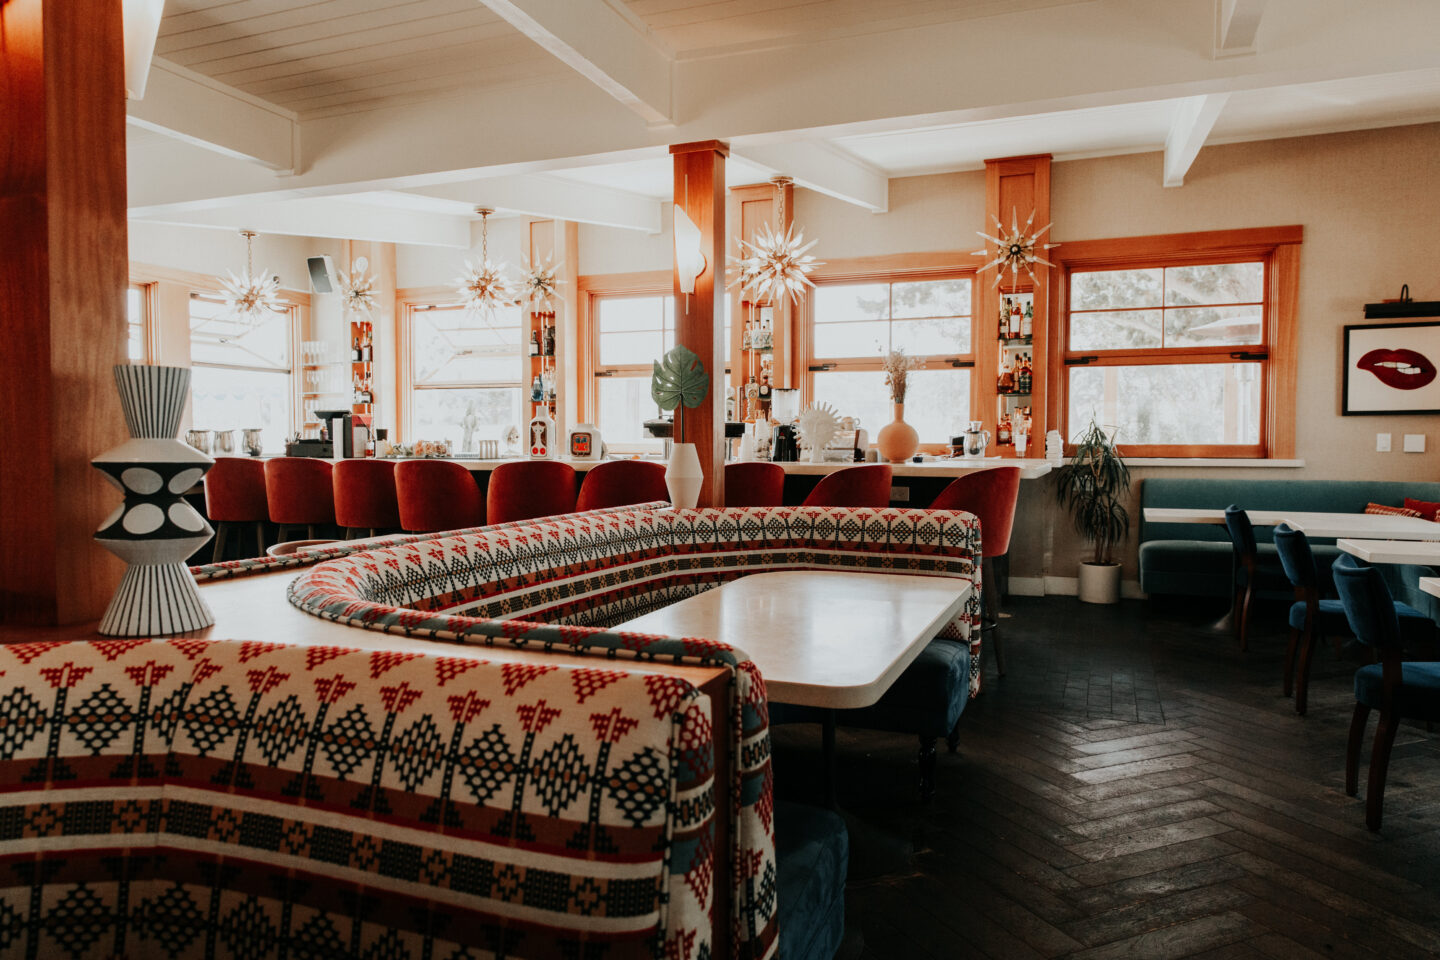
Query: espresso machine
347,433
785,440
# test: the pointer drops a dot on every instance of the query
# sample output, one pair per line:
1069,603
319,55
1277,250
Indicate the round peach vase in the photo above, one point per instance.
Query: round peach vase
897,441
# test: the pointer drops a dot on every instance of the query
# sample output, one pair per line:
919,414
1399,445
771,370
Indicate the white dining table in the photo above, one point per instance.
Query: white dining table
1425,552
1430,585
1313,524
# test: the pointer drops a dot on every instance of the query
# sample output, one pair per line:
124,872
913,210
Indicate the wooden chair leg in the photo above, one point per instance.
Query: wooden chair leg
1352,748
1287,681
953,740
1302,679
1379,767
221,530
1245,618
259,538
310,532
927,767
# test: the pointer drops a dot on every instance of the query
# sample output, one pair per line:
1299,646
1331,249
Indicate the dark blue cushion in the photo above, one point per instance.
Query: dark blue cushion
812,849
1419,692
1414,625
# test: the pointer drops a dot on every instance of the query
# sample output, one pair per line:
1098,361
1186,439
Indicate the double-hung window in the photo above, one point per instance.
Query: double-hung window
854,325
137,323
461,364
240,373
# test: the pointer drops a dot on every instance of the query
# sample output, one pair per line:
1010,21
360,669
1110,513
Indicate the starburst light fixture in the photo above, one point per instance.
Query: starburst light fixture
1015,249
775,264
250,297
357,289
540,284
484,287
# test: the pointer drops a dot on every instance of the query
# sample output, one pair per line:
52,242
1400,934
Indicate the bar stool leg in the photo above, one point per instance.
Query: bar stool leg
221,529
827,734
259,538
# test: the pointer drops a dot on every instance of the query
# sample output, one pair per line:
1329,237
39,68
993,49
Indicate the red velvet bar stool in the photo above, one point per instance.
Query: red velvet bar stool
299,493
754,484
991,495
365,501
437,495
618,483
867,486
235,497
526,489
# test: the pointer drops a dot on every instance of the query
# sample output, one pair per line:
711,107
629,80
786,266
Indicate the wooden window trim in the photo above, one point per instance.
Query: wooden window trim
1277,247
593,287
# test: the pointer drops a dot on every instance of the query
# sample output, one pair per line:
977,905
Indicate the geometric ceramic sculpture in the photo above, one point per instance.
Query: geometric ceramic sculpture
154,530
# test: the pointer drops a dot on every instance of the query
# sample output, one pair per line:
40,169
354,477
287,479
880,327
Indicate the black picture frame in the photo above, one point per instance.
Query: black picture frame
1375,390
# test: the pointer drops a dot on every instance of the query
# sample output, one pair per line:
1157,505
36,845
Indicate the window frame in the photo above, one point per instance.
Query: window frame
1277,248
294,318
148,294
906,268
405,358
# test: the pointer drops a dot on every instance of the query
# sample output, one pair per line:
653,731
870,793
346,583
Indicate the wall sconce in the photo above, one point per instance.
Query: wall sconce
142,26
689,257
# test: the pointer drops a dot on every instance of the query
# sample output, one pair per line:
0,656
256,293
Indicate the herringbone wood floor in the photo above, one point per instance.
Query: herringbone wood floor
1135,787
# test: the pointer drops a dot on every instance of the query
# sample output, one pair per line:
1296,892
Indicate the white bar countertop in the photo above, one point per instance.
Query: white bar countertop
1430,585
1030,469
1393,551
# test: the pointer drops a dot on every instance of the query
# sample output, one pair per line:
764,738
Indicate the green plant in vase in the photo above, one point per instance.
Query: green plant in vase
1094,486
678,380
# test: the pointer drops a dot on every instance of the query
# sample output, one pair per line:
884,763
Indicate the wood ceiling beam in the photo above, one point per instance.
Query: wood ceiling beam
338,217
554,198
615,52
191,107
1194,118
819,166
1236,22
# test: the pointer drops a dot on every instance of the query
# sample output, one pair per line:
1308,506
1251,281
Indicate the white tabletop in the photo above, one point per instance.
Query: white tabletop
1312,524
821,638
1259,518
1430,585
1392,551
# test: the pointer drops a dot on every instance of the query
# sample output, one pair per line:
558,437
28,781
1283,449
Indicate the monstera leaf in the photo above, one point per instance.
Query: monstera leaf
679,377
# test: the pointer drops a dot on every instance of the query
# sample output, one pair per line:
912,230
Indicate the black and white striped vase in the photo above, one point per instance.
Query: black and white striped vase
154,530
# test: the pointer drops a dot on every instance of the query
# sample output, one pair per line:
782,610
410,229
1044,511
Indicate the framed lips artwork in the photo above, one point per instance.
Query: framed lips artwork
1391,368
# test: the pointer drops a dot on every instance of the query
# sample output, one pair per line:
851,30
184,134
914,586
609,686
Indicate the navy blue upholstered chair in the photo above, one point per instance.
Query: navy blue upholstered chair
1247,564
812,852
1400,691
1313,616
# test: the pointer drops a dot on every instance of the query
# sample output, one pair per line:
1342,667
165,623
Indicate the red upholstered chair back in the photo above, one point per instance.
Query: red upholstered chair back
991,496
437,495
756,484
298,491
235,491
867,486
616,483
527,489
365,495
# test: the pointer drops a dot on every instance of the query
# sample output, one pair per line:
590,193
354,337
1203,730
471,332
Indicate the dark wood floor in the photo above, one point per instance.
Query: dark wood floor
1135,787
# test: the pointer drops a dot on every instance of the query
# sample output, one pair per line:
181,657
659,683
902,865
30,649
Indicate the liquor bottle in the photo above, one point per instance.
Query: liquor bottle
1004,318
366,348
549,385
765,388
537,389
355,349
534,343
550,341
1027,325
1006,383
1002,431
1016,319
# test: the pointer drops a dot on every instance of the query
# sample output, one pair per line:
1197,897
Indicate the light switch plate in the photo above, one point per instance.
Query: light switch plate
1414,443
1382,443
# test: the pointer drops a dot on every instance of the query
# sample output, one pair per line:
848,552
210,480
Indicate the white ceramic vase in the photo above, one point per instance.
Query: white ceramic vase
154,530
683,476
1099,583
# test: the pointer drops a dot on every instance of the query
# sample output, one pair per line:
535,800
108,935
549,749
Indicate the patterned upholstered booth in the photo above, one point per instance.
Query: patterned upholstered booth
219,798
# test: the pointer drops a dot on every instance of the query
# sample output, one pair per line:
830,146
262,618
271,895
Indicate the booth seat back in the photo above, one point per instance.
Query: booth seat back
199,798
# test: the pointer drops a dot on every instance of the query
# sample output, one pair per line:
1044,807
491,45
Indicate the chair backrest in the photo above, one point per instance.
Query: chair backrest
867,486
365,494
298,490
754,484
1242,533
1294,549
1369,607
235,490
616,483
437,495
991,495
526,489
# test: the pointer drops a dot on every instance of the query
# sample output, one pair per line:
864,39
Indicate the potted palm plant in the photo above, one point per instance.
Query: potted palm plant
677,381
1093,486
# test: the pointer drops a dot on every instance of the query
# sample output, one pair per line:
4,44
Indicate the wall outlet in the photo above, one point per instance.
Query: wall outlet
1414,443
899,494
1382,443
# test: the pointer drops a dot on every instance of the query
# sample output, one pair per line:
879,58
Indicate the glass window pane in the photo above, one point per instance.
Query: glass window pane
452,347
1197,403
1115,331
937,403
1215,283
1210,326
438,414
135,307
856,393
865,339
624,403
843,302
631,313
1101,289
931,298
226,399
623,348
919,338
214,339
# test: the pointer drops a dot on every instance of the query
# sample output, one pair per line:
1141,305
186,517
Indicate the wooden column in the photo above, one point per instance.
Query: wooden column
63,277
700,316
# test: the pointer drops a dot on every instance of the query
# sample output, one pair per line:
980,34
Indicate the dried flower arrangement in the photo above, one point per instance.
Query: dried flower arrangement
897,368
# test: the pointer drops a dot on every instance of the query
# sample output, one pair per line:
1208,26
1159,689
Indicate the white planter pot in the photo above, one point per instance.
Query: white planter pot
683,476
1099,583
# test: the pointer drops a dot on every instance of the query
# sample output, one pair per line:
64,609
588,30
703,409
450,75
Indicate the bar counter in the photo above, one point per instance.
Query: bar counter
1030,468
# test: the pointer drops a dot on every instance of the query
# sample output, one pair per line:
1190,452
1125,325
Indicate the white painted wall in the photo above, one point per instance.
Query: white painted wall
417,266
612,250
213,251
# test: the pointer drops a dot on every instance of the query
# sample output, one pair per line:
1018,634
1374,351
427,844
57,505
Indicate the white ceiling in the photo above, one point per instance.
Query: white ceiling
654,177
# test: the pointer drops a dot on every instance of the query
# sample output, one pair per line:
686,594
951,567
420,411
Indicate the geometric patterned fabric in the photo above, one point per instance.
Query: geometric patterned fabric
562,581
191,798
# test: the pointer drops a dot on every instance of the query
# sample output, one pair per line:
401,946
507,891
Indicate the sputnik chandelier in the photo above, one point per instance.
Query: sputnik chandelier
539,285
484,287
1015,249
357,289
775,264
250,297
